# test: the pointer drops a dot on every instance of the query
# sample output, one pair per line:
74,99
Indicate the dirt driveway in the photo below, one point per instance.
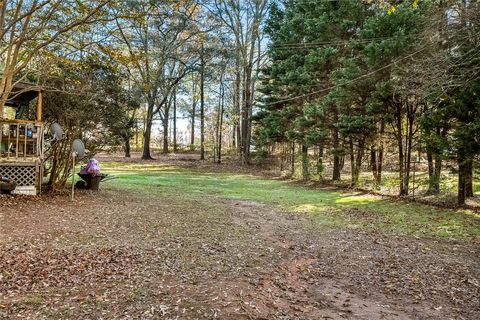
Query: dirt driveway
167,257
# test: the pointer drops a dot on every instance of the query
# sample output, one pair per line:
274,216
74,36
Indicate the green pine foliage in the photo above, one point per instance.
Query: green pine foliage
359,79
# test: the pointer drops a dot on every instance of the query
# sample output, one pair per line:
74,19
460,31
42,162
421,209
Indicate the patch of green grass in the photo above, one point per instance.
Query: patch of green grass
391,181
331,208
33,300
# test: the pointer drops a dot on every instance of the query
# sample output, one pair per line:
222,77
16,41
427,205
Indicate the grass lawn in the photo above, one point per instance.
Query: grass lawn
330,208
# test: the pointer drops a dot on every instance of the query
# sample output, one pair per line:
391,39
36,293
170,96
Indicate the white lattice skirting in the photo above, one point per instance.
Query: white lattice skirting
25,175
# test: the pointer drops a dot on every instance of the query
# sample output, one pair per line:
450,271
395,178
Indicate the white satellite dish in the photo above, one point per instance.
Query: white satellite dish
56,131
78,150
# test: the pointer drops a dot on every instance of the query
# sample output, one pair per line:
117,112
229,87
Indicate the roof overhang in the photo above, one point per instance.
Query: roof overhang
23,92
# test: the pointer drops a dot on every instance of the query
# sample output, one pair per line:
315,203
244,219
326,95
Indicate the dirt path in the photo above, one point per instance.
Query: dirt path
351,274
167,257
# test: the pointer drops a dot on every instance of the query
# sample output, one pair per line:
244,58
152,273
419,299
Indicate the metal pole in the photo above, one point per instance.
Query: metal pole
73,176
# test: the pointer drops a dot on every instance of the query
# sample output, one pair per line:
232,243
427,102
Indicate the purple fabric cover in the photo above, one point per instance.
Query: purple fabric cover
92,167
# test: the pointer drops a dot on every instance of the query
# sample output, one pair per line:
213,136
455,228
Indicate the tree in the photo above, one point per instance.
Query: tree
304,54
86,96
244,18
462,100
189,87
451,80
465,110
175,144
27,28
400,30
157,38
202,102
435,126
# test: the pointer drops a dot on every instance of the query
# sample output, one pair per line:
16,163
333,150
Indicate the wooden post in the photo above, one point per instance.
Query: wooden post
40,140
39,106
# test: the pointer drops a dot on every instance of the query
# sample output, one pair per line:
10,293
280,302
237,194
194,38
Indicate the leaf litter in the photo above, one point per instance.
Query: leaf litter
165,257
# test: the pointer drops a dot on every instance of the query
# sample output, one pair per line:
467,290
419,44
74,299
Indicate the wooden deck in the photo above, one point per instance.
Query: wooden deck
21,141
21,153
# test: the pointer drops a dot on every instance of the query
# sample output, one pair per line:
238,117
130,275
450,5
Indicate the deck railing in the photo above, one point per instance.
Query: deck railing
21,140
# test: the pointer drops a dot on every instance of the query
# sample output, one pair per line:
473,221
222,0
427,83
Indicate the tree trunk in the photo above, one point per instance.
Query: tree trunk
373,165
234,137
148,130
336,147
359,159
137,134
409,143
352,163
282,156
217,124
356,161
192,129
245,145
377,159
237,103
220,126
175,146
128,134
248,88
434,158
202,105
61,163
378,183
462,180
320,163
238,141
401,156
293,160
437,172
469,178
127,147
430,171
305,162
165,133
434,171
341,162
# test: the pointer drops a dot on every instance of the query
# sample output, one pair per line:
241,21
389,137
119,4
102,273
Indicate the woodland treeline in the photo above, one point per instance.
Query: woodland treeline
108,65
361,82
352,82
